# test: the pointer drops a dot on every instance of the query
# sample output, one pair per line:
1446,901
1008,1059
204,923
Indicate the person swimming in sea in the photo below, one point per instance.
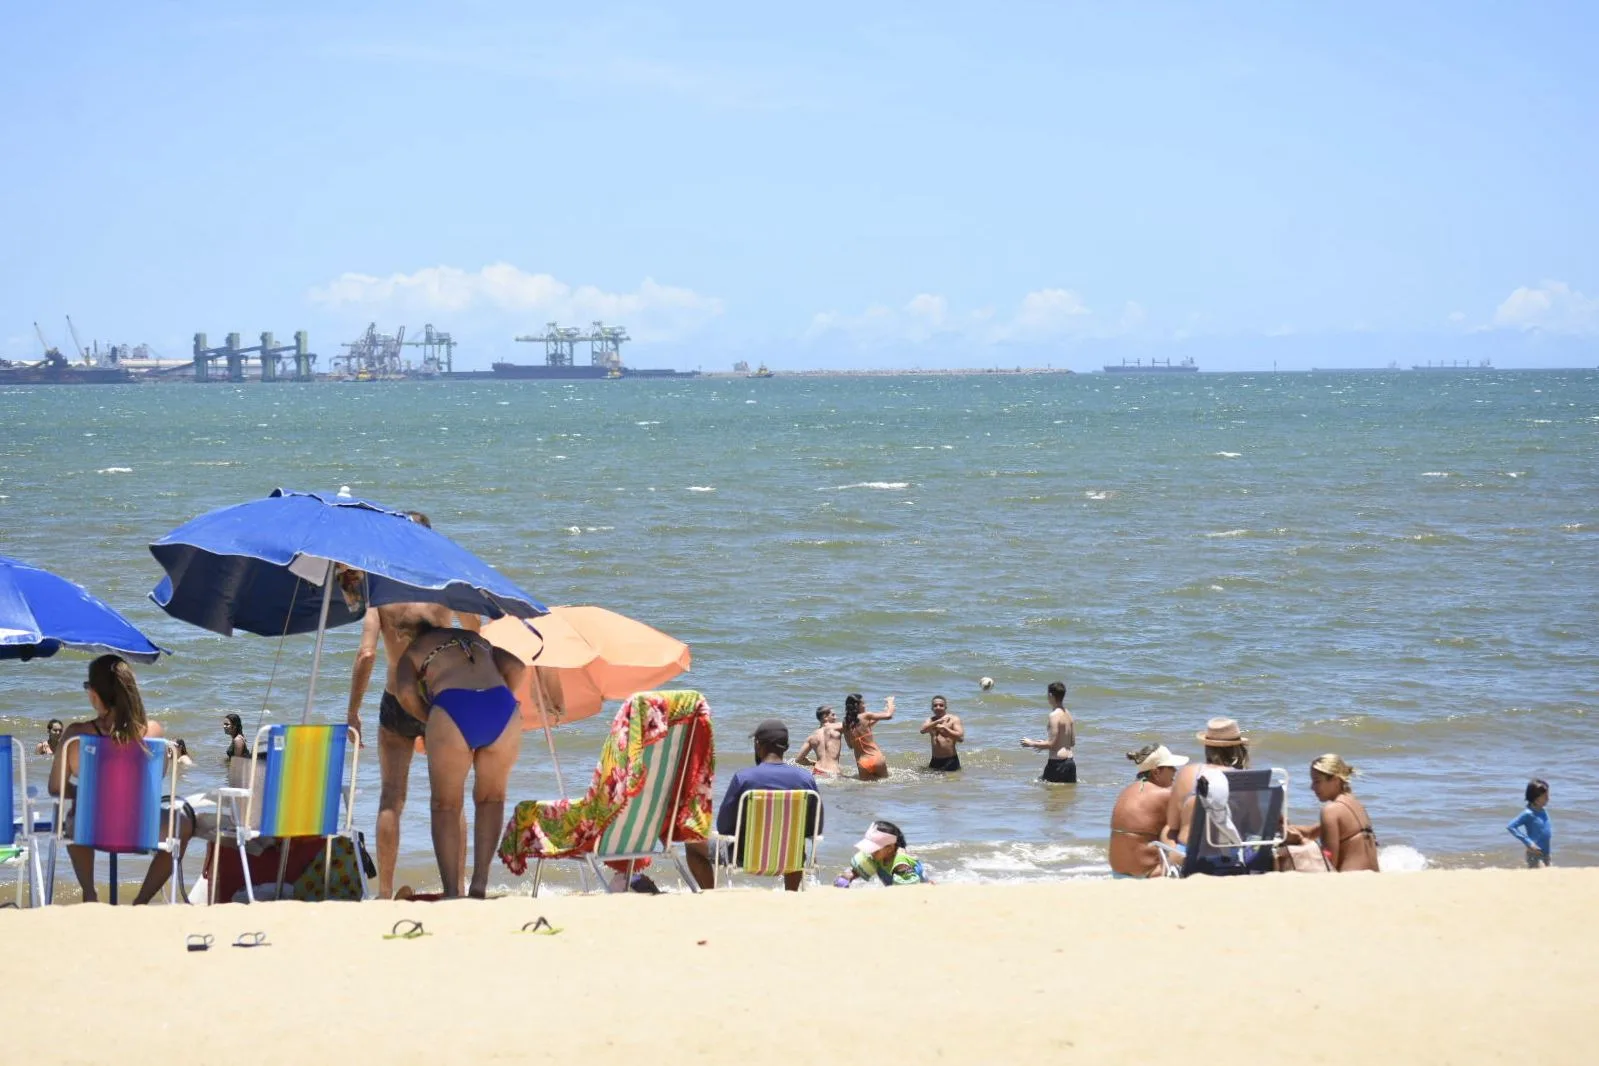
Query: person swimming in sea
858,723
881,854
825,744
1532,827
464,691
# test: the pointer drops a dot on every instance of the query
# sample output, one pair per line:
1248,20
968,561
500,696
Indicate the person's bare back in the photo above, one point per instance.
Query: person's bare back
827,743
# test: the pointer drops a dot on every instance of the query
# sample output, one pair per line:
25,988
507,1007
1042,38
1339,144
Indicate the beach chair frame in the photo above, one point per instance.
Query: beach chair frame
20,835
238,806
725,849
660,845
166,811
1180,862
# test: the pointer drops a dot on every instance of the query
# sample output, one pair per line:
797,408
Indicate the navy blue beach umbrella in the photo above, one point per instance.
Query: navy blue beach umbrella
42,613
269,566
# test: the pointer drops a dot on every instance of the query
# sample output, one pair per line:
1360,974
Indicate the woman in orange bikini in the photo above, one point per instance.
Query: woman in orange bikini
858,725
1345,829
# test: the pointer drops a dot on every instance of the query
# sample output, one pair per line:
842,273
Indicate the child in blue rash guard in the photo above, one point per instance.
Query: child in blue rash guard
881,854
1531,826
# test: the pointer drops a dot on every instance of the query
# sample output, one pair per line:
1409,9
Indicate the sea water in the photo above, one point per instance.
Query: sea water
1399,567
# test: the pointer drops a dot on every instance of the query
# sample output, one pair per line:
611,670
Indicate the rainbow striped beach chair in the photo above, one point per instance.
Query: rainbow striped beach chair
776,832
120,804
18,845
303,772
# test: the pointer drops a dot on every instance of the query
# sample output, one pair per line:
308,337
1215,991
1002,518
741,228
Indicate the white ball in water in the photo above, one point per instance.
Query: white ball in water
987,683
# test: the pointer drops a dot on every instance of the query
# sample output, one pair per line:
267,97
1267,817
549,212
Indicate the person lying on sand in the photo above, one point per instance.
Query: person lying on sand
881,854
1140,813
827,742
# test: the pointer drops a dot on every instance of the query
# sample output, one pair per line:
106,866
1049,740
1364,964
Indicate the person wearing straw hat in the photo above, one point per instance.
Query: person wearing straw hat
1140,813
1345,829
1226,748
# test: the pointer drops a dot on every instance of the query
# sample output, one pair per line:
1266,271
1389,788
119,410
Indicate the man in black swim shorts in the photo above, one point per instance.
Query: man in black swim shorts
945,731
1061,743
398,730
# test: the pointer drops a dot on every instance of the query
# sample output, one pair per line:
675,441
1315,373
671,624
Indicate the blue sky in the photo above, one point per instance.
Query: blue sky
834,185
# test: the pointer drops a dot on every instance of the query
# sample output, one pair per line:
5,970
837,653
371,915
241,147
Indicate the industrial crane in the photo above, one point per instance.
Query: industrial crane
52,354
76,343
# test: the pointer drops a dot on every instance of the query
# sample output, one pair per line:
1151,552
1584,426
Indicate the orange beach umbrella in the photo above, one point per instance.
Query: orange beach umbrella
583,656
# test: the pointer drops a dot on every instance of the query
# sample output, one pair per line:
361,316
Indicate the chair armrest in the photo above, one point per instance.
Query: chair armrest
232,793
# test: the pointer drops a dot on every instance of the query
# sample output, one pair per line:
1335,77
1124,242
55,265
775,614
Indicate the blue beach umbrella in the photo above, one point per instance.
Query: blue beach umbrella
256,567
41,613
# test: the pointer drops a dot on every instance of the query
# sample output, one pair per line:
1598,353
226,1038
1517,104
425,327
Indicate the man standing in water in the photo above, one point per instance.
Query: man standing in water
1061,743
945,731
398,730
827,742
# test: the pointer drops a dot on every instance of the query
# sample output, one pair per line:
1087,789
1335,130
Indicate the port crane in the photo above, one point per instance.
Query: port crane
560,344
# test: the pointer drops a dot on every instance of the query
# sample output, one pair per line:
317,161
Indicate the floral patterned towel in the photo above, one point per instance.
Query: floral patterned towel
557,829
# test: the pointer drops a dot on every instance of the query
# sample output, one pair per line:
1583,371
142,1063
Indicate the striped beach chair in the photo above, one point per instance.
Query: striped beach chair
303,771
120,805
777,832
643,828
18,846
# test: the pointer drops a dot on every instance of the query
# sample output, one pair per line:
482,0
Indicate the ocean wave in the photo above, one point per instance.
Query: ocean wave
888,485
701,488
1101,494
1228,455
115,470
1230,533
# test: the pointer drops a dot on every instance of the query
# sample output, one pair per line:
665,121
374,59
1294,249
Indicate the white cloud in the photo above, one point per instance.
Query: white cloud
652,312
1552,306
1043,315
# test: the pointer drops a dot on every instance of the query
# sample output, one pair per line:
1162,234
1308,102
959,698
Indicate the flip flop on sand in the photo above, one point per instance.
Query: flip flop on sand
406,929
251,940
541,925
199,942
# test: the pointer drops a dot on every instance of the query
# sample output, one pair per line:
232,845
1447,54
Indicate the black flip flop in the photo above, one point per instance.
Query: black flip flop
251,940
406,929
199,942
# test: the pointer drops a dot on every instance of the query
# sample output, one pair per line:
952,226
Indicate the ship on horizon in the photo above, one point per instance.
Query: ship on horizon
1154,366
1460,364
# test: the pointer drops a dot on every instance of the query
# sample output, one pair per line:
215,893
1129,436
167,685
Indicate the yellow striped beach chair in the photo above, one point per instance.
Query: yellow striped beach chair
303,771
776,832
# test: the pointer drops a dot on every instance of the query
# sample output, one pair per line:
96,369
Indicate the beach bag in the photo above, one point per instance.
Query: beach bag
345,881
1306,858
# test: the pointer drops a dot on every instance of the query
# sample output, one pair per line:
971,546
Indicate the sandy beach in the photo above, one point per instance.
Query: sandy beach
1462,966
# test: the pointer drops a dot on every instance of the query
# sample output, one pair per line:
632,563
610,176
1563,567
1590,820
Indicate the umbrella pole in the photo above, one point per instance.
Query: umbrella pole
321,631
555,760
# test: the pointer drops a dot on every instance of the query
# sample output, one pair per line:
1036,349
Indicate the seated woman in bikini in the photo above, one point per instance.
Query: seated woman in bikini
118,708
1345,829
1140,813
464,689
858,723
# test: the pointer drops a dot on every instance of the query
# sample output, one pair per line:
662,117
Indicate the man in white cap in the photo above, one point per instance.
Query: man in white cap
769,772
1140,813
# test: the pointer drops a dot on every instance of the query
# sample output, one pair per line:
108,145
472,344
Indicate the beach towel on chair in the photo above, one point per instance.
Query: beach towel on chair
564,828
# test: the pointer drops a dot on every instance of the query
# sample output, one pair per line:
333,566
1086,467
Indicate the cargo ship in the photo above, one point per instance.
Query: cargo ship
1154,366
1461,365
54,369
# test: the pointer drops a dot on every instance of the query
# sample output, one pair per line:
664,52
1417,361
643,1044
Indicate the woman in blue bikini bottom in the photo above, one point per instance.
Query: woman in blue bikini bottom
464,688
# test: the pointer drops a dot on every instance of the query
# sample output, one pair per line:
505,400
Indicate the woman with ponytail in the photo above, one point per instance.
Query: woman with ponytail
119,716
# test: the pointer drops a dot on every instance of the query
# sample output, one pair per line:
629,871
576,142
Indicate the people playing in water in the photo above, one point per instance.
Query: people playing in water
1226,748
882,854
945,731
1531,826
858,723
1140,813
233,729
464,691
1060,739
1344,831
119,716
397,625
52,738
181,747
825,743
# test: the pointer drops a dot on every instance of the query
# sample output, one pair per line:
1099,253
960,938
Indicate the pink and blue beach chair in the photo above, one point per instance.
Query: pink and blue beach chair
776,832
302,793
121,805
18,842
